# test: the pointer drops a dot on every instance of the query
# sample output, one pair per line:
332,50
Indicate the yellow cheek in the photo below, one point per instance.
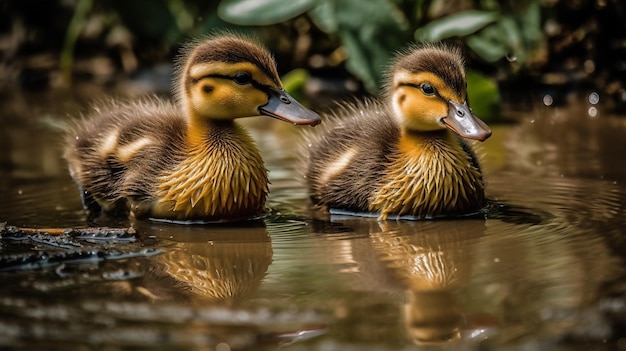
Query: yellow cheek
419,112
227,101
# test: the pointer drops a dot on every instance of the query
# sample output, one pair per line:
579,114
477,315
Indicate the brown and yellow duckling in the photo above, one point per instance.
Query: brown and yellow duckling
187,160
406,155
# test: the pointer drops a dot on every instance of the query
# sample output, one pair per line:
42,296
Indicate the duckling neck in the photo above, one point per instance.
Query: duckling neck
431,174
201,132
221,175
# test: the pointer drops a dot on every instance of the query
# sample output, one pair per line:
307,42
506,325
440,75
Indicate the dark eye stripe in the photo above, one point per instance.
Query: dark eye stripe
263,87
426,88
409,85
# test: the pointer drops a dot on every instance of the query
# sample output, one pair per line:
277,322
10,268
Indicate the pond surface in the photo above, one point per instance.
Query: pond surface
544,270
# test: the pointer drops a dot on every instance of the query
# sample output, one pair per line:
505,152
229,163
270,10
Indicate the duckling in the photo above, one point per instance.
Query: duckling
189,159
405,154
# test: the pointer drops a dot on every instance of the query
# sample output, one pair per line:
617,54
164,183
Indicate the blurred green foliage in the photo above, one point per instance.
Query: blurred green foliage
494,32
167,22
73,31
372,31
483,95
564,42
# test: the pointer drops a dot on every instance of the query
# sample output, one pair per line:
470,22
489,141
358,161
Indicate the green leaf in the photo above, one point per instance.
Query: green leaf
531,23
375,14
371,31
488,44
458,25
324,16
483,95
295,81
262,12
73,30
358,60
510,33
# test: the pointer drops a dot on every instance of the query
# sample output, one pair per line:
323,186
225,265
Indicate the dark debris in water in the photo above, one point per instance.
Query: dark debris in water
47,259
94,233
46,248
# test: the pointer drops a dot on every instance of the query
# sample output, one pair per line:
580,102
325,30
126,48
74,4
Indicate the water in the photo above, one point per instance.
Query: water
544,271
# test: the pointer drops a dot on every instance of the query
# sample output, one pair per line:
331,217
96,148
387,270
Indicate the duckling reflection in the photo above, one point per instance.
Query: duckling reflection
430,260
209,265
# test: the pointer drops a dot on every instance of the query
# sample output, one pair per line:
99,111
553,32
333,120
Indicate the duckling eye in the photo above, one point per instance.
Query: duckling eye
427,89
242,78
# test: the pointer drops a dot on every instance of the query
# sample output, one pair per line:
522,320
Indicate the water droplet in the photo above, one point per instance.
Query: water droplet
511,58
589,66
496,260
20,192
552,28
594,98
593,112
548,100
317,61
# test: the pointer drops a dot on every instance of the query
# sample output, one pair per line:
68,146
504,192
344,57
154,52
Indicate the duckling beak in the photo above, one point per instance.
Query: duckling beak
462,121
284,107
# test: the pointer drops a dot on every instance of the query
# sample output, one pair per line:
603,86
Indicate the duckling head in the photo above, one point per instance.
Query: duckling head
428,92
227,76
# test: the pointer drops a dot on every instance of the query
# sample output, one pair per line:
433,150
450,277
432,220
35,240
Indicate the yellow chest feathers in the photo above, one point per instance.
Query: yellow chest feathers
223,178
429,178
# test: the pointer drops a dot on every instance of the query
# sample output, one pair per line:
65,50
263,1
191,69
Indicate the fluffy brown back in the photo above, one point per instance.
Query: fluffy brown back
364,127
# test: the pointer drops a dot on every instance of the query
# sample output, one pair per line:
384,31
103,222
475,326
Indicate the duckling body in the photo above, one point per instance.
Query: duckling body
188,160
403,155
